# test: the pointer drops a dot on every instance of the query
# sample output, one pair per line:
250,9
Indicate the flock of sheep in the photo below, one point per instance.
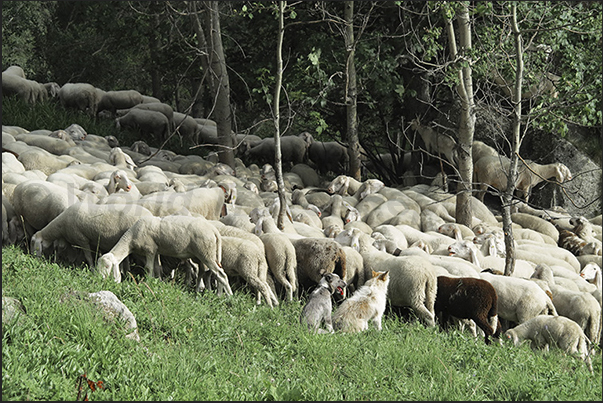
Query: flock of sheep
97,202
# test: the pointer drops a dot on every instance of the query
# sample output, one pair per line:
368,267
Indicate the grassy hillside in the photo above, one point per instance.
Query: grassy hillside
206,347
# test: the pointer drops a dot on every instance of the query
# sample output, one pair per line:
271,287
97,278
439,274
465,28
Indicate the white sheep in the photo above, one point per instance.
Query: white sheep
282,261
553,251
177,236
581,307
456,231
413,281
241,257
536,223
392,234
206,202
546,331
468,250
592,273
91,227
39,202
584,229
120,159
493,170
519,299
436,143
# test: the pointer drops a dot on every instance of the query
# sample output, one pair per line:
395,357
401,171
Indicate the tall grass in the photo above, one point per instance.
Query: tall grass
206,347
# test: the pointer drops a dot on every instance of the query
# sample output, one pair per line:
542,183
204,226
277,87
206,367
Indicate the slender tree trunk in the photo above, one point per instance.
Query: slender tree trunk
222,114
276,112
464,212
351,94
507,197
156,89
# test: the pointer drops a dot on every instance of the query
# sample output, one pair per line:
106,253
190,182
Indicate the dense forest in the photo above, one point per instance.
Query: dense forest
450,65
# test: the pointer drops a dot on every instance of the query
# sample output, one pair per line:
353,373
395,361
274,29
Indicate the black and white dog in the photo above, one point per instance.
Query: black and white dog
319,306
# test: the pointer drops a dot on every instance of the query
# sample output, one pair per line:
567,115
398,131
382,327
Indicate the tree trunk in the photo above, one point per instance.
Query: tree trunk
156,89
507,197
276,112
464,212
217,64
351,94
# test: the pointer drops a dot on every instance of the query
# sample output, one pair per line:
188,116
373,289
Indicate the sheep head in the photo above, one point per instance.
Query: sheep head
591,272
562,173
465,250
38,244
108,265
339,185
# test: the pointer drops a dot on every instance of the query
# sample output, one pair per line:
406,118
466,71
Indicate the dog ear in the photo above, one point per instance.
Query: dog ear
383,275
374,273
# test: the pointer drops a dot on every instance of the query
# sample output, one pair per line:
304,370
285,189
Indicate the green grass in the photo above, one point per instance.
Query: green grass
209,347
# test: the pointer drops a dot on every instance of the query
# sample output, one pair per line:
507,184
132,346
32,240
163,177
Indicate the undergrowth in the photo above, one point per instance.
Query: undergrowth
208,347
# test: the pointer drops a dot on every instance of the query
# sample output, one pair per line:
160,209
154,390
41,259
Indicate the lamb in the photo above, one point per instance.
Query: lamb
545,330
430,221
581,307
393,234
368,204
356,275
413,282
241,257
344,185
91,227
177,236
436,241
519,299
468,298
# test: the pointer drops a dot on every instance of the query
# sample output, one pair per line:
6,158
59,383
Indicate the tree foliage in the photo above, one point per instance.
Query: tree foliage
401,56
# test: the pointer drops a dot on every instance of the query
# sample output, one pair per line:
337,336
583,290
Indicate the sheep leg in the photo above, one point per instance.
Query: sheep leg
425,315
221,276
282,279
483,324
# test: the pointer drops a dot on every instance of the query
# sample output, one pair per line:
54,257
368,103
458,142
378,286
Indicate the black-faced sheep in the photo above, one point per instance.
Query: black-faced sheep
468,298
